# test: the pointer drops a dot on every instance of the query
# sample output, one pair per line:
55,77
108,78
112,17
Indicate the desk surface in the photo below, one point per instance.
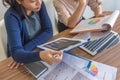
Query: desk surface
110,56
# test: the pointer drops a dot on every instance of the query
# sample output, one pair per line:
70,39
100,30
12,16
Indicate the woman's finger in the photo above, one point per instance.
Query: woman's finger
17,65
13,65
21,63
56,52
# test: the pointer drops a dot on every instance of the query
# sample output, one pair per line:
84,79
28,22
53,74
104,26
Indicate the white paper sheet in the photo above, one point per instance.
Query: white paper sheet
76,68
97,24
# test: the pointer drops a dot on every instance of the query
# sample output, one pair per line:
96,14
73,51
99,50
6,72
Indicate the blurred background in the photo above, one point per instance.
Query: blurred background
107,5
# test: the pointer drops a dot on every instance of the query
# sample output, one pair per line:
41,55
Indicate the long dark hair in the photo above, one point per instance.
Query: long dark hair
19,8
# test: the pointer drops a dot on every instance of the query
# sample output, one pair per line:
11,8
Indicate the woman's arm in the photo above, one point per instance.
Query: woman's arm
76,16
65,17
95,5
98,12
16,48
49,56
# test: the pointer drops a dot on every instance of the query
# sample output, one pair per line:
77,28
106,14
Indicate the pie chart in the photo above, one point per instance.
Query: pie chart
93,70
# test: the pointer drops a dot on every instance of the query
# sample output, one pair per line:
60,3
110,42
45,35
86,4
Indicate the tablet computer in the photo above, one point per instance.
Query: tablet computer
61,44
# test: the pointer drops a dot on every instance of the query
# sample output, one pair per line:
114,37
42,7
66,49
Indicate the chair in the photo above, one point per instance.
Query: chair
52,14
3,41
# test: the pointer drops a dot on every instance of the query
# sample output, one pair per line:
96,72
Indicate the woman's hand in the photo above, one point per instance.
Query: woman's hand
100,15
74,19
14,65
51,56
82,2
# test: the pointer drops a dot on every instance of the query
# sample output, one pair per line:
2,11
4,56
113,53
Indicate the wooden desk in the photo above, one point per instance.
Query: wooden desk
110,56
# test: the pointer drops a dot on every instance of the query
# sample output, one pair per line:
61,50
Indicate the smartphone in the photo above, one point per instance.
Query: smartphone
36,68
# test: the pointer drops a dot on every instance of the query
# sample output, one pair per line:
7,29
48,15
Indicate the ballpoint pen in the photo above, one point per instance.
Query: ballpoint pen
86,42
55,56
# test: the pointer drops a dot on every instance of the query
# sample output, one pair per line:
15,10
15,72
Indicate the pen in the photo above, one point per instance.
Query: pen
85,43
88,39
55,56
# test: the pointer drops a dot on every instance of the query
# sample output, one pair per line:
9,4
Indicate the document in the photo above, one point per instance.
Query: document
79,68
102,71
97,24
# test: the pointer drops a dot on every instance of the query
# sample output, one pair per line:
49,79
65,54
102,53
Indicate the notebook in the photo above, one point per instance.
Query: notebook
96,24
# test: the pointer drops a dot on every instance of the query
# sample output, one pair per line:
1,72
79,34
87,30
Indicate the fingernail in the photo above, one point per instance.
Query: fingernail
22,64
55,56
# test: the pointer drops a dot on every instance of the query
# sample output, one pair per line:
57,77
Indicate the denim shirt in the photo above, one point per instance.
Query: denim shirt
20,46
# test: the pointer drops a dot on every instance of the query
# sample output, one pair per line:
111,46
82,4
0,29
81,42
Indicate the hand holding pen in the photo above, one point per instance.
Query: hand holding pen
51,56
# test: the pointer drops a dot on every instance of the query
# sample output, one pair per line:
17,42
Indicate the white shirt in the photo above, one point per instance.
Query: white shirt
65,8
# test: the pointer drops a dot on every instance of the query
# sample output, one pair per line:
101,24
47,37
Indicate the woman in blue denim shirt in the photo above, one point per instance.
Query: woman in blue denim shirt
28,25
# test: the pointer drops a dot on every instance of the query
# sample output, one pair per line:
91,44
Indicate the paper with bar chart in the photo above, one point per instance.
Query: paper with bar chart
79,68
